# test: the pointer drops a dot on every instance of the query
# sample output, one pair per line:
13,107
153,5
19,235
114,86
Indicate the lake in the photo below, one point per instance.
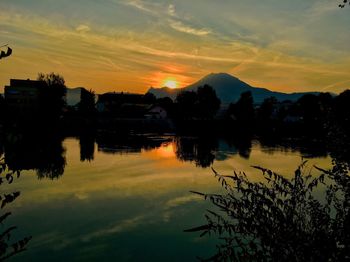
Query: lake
128,199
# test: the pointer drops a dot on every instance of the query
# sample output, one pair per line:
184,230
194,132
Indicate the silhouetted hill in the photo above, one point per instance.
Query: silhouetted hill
73,96
164,92
228,88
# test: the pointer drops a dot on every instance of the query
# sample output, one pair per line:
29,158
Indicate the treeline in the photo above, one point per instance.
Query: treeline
50,105
311,112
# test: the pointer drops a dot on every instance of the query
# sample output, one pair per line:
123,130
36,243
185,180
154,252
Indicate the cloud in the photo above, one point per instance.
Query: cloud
171,10
138,4
82,28
181,27
182,200
269,48
122,226
322,8
336,87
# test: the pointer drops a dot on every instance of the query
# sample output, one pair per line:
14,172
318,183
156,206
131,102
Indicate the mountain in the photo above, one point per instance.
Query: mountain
164,92
73,96
228,88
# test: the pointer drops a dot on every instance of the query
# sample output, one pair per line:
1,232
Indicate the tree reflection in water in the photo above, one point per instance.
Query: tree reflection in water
41,152
87,146
199,150
306,218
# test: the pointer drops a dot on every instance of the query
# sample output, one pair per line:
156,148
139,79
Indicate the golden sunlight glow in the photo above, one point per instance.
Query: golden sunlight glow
166,150
170,82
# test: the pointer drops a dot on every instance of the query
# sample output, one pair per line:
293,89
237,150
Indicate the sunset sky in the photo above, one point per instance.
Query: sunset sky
130,45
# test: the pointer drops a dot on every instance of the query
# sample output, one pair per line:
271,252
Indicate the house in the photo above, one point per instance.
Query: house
123,104
73,96
80,98
23,96
156,112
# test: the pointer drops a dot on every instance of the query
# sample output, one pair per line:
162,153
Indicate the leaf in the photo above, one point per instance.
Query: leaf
197,193
200,228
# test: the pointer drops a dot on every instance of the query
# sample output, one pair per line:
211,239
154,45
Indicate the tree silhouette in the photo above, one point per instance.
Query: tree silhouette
281,219
345,3
243,110
4,54
185,102
8,247
266,110
149,98
87,102
342,108
202,104
52,96
166,103
2,108
207,102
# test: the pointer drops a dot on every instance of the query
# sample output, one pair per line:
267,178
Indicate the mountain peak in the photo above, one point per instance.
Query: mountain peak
219,75
221,82
228,88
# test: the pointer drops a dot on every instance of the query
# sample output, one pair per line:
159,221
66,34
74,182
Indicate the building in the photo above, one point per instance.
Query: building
123,104
156,112
81,99
23,96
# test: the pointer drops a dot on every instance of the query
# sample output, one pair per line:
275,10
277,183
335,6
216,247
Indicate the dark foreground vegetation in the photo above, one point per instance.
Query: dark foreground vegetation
8,246
305,218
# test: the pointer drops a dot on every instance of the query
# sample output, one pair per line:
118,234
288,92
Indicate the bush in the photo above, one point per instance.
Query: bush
282,219
9,248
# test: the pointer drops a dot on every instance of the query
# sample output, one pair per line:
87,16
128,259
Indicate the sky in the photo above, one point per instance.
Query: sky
130,45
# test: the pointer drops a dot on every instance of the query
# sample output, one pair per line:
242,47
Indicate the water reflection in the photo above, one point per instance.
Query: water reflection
87,146
115,143
306,146
123,192
199,150
45,153
242,144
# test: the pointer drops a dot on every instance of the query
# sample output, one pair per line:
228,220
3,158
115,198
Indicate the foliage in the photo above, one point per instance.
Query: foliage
202,104
341,109
281,219
185,102
149,98
166,103
267,109
53,95
4,54
345,2
207,102
9,248
243,110
87,102
2,108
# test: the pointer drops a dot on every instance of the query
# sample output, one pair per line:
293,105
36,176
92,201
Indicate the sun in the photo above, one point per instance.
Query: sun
170,82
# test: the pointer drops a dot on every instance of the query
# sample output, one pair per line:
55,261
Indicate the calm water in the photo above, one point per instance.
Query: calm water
125,200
